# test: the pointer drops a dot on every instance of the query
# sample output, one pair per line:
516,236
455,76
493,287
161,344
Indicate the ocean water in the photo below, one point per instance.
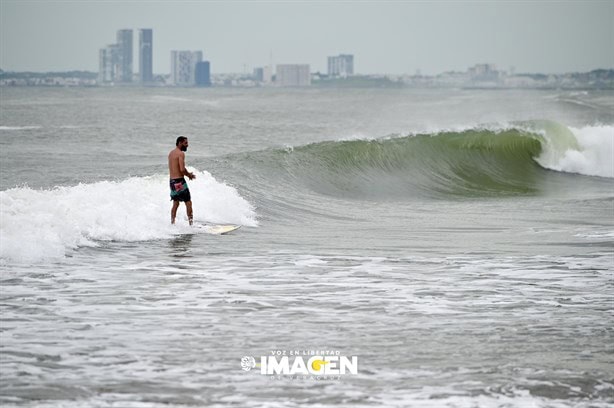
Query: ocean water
459,243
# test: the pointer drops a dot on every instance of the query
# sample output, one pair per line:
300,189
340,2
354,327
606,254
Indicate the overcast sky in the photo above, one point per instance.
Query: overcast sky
384,36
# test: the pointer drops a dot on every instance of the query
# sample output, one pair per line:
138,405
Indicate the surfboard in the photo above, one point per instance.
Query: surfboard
217,229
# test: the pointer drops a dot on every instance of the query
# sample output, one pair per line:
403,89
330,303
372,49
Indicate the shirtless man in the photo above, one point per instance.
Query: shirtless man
179,187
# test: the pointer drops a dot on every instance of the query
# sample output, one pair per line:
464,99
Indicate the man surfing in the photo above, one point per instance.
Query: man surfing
179,187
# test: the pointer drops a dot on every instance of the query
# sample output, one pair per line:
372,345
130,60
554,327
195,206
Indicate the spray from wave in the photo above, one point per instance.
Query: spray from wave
38,225
594,155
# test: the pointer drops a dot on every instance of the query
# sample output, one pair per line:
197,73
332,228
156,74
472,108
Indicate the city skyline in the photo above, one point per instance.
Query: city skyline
116,61
385,37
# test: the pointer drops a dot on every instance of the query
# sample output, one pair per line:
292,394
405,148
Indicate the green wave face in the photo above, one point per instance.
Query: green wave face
476,162
468,163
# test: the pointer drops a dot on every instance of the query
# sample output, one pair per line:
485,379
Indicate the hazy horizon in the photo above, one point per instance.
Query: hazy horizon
392,37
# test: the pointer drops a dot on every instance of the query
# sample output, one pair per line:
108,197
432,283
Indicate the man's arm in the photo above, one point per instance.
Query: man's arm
182,168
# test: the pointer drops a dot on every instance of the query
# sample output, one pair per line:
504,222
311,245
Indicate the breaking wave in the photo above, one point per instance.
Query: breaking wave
525,158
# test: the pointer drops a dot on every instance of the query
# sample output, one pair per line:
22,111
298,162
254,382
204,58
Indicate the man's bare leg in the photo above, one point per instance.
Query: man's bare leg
188,207
174,211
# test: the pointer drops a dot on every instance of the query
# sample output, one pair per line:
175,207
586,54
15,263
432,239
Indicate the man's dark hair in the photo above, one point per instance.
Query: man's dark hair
180,139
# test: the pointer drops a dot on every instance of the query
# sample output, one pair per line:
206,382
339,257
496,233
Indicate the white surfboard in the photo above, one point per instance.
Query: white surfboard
217,229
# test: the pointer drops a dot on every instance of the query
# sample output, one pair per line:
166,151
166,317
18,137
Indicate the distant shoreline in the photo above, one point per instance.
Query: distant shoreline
599,79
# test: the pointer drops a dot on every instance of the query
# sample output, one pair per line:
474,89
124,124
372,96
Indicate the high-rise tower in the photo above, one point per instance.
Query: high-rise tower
124,42
183,67
203,73
146,55
341,66
108,64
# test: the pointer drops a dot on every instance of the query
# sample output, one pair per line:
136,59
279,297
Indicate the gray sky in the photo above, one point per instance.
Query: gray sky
384,36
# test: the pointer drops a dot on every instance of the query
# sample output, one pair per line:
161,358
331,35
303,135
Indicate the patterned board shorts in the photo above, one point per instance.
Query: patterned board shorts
180,190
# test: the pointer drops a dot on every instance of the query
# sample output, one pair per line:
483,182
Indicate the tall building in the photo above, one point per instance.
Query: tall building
263,74
341,66
145,55
258,74
293,75
183,67
203,73
267,74
108,64
124,42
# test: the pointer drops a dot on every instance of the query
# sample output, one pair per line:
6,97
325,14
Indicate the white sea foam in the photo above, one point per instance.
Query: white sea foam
38,225
595,156
20,127
168,98
596,235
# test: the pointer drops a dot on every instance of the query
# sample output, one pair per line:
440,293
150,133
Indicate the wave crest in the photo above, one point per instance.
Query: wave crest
473,162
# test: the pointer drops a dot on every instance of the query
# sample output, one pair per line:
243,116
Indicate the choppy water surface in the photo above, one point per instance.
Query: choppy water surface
460,243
